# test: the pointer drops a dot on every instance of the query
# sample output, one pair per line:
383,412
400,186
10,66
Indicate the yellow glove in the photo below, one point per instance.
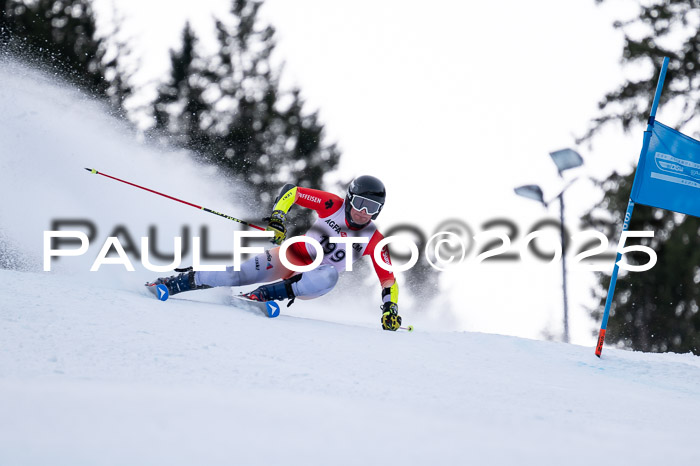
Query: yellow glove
391,320
276,225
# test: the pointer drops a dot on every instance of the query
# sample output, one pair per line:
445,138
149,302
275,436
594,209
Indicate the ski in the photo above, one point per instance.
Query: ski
268,308
160,291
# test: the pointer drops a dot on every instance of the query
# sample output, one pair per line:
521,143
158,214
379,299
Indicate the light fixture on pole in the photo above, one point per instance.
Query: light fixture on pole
531,191
564,159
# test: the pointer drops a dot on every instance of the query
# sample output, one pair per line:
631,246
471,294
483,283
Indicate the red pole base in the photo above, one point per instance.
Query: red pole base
601,339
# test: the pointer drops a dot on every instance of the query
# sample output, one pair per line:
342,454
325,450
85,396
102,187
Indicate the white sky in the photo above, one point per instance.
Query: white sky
452,105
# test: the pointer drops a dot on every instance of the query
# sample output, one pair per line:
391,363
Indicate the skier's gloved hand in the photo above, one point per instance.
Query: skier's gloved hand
276,225
391,320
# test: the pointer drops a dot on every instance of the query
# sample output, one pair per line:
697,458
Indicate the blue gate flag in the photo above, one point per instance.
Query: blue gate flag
668,173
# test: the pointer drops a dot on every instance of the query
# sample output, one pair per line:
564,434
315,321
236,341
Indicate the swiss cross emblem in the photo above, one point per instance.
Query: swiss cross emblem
343,234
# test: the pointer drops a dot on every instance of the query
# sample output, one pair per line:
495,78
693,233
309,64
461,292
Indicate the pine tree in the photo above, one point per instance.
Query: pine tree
180,107
656,310
261,133
662,28
61,34
230,110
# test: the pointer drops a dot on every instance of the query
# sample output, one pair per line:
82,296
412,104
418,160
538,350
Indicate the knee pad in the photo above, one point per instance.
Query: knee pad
327,274
316,283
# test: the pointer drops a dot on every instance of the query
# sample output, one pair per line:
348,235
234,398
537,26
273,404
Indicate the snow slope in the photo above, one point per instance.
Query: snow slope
93,370
95,375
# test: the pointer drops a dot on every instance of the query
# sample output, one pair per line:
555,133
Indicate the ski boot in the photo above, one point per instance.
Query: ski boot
175,284
274,291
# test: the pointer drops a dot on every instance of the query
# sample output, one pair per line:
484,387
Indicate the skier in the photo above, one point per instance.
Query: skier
351,217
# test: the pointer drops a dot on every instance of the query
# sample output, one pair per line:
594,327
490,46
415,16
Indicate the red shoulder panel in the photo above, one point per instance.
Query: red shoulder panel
324,203
382,274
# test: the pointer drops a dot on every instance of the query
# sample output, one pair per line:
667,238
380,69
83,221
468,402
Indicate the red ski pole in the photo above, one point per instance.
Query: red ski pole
92,170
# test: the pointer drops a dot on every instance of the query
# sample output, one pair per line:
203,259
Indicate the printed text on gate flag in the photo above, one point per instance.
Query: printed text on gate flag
668,175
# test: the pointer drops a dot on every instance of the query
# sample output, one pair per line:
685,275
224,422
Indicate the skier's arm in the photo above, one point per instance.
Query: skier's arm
283,203
386,278
391,320
391,293
285,199
322,202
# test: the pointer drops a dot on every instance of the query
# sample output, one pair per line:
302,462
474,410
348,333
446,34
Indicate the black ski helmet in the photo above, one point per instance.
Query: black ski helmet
368,187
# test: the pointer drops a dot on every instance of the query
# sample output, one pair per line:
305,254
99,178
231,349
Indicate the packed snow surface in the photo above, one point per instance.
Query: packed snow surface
95,371
97,375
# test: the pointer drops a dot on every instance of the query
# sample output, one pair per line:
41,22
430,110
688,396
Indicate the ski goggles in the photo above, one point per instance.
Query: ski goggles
370,206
